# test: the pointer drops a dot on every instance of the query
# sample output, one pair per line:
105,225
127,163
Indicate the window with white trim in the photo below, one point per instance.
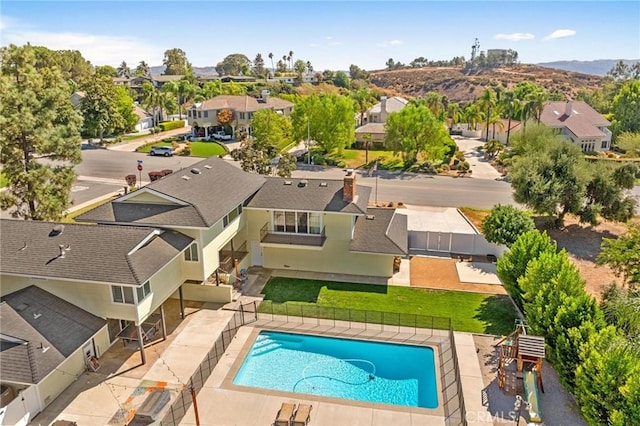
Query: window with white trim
191,254
143,291
292,222
122,294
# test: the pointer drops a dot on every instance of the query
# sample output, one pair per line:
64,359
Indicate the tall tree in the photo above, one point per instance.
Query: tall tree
290,57
510,107
299,67
415,131
258,66
233,64
71,64
36,120
273,68
487,102
152,102
176,63
623,256
271,131
626,108
125,108
328,120
124,70
363,99
453,114
143,70
505,224
100,108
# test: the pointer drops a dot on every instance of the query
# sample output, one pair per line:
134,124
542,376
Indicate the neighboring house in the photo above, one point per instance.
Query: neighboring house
45,344
375,118
311,78
203,116
323,226
374,131
145,120
380,111
76,99
121,81
237,78
579,123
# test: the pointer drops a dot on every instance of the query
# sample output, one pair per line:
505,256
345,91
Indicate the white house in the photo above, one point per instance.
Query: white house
579,123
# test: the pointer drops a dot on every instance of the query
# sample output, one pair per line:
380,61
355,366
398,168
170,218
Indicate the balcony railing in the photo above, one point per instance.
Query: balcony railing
227,257
313,240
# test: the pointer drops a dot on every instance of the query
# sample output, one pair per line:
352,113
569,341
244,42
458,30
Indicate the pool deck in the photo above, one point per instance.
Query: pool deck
219,405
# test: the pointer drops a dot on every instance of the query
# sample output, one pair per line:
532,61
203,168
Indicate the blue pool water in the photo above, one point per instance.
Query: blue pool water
341,368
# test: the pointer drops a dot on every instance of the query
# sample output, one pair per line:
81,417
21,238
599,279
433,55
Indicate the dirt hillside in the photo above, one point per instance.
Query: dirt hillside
465,85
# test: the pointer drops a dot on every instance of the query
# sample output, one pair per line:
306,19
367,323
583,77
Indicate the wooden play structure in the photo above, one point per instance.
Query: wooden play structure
528,353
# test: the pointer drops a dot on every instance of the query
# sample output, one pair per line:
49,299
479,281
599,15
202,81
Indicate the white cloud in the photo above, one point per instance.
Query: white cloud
314,45
335,43
560,34
328,38
390,43
97,48
514,36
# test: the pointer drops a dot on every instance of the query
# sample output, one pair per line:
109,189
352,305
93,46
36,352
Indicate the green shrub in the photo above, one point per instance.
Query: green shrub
170,125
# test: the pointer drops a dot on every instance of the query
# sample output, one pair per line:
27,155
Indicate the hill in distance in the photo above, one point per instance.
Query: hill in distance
461,85
598,67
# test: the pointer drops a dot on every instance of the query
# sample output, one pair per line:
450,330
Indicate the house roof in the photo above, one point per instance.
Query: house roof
162,78
32,320
293,194
582,122
120,79
242,103
393,104
371,128
381,231
207,197
141,113
110,254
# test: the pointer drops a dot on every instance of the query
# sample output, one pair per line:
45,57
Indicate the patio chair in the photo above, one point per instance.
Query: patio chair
285,414
303,415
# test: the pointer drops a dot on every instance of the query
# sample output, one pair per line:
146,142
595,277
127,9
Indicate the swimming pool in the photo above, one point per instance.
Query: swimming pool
341,368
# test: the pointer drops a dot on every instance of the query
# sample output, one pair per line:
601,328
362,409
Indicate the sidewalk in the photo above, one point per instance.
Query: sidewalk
131,146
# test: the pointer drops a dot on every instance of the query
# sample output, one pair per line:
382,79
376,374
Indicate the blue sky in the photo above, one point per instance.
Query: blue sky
329,34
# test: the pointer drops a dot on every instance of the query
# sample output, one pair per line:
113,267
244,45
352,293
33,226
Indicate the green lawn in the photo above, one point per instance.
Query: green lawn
206,149
146,148
3,180
470,312
355,158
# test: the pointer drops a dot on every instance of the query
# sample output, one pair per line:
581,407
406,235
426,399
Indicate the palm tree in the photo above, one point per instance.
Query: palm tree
291,59
487,102
273,68
454,114
123,70
511,108
433,101
363,99
143,70
151,100
285,59
309,67
496,120
472,115
537,100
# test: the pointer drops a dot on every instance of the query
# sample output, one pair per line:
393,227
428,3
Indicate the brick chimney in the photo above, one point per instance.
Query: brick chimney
349,187
568,109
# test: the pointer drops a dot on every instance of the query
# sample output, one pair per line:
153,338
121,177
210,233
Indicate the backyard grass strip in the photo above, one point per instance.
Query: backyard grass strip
393,305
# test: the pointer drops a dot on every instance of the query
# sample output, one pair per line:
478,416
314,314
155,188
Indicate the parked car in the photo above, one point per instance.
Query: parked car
167,151
221,136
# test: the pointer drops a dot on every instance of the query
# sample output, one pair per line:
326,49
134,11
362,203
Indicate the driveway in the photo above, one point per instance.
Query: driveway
131,146
481,168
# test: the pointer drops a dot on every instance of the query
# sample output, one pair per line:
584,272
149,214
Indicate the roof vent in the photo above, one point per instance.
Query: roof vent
369,217
195,171
208,167
287,182
323,184
303,183
57,230
186,177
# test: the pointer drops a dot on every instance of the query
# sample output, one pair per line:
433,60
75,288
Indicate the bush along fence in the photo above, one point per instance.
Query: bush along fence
595,359
170,125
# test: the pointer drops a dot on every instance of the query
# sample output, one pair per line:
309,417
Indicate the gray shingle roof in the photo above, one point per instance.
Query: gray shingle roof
381,231
212,194
96,253
275,194
43,320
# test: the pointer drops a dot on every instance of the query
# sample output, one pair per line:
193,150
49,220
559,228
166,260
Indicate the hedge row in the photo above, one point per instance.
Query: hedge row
592,358
170,125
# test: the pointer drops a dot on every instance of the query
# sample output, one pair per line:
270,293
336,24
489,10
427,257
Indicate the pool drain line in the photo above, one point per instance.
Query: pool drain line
371,375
